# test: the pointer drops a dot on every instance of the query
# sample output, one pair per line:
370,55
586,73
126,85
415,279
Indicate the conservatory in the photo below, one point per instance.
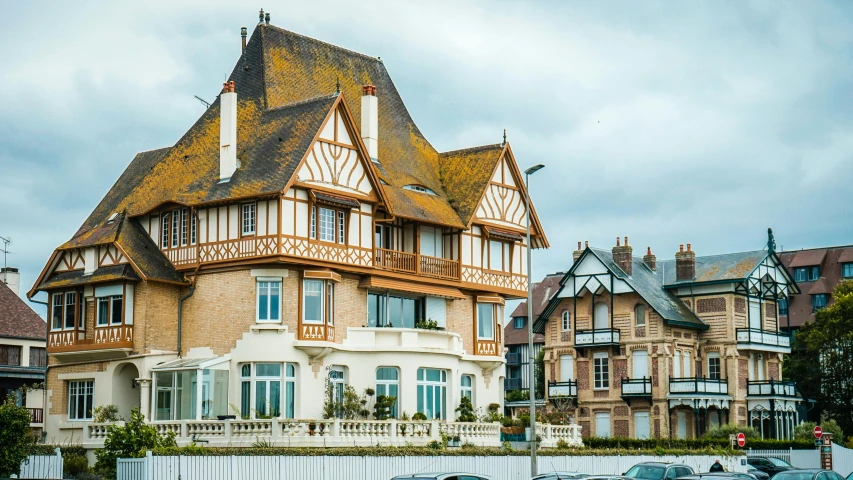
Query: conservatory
191,389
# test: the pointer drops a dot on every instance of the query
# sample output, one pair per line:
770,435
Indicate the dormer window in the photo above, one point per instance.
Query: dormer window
177,227
806,274
419,188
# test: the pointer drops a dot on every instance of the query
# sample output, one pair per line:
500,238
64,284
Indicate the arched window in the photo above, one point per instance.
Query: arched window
640,315
567,321
388,384
600,320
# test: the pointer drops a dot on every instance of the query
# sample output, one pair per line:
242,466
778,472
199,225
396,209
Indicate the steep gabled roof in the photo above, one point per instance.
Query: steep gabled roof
715,268
144,256
465,174
17,319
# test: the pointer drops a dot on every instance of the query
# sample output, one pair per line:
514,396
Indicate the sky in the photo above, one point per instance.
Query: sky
668,122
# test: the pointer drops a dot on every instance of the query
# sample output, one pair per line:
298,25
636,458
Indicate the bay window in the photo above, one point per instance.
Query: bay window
318,301
714,365
268,300
197,393
66,311
109,303
486,313
432,393
177,227
81,395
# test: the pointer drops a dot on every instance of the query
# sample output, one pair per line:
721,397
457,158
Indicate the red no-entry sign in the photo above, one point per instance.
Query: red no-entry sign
818,432
741,439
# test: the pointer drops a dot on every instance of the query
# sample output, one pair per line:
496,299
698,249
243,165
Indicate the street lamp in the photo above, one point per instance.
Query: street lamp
530,365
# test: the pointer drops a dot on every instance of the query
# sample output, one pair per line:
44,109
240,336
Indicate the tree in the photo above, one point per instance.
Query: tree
384,407
828,343
15,436
539,374
129,441
805,431
465,411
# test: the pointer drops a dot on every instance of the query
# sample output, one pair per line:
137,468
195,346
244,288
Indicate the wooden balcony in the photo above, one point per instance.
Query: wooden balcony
113,337
417,264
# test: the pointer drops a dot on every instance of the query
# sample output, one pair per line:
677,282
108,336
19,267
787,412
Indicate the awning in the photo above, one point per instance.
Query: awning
505,235
335,200
322,275
384,283
193,363
808,258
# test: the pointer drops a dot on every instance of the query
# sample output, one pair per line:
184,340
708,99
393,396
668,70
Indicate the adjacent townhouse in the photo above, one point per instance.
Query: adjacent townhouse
817,271
301,237
23,359
640,347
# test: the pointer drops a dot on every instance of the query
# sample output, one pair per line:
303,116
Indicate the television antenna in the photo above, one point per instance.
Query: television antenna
5,249
205,102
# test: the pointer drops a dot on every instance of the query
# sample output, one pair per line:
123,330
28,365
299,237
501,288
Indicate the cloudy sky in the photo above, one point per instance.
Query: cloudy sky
668,122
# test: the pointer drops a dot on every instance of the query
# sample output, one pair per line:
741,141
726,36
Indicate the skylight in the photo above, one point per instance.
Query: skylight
419,188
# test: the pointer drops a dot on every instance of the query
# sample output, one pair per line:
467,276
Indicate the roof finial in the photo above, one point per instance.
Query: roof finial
504,142
261,17
267,18
771,241
337,85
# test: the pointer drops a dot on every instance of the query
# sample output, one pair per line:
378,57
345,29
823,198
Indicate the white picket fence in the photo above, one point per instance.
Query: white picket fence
842,460
797,458
42,466
384,468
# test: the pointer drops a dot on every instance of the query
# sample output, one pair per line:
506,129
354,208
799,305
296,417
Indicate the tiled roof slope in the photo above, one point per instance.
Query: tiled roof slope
145,255
17,319
713,268
542,292
465,174
111,273
649,284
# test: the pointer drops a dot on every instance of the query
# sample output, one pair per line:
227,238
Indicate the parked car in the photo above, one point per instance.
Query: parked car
807,474
607,477
719,476
441,476
658,471
758,474
769,465
560,476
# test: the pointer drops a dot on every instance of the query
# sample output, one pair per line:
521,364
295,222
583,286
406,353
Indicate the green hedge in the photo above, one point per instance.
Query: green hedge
66,449
423,451
692,444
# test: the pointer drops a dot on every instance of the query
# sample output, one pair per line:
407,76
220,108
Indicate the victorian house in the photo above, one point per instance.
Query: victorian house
302,235
637,347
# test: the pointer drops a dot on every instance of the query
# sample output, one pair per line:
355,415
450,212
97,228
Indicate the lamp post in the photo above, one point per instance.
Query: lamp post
530,362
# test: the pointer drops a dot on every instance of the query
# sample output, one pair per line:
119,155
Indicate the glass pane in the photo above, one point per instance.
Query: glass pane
433,375
373,309
408,313
442,402
386,373
263,301
395,315
261,398
313,304
69,309
430,403
268,370
245,399
291,371
245,370
392,392
495,255
290,400
116,314
185,394
103,310
421,398
275,399
466,380
485,320
275,297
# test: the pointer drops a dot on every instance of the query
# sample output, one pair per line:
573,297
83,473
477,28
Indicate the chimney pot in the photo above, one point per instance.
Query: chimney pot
623,255
688,247
12,279
577,253
685,264
586,243
267,18
626,241
617,241
649,259
243,31
370,120
681,247
579,245
261,17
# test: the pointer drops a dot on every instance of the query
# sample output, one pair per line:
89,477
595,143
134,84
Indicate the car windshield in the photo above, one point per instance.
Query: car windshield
793,475
778,463
645,472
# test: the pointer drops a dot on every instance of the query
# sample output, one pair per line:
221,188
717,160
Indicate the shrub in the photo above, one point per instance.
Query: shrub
723,432
74,465
465,411
562,444
15,436
106,414
435,445
129,441
383,406
805,431
517,396
419,416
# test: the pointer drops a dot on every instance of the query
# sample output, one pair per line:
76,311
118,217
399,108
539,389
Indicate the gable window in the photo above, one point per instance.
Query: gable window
248,218
783,306
640,315
518,323
847,270
806,274
80,398
318,301
486,321
819,301
566,323
388,384
328,224
601,367
65,310
498,255
269,299
714,370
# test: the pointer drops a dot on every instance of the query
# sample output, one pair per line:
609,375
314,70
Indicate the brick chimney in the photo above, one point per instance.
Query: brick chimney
227,132
685,264
12,279
370,120
577,253
623,256
650,259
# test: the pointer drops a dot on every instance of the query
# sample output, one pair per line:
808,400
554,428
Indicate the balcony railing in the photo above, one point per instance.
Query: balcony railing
772,388
698,385
598,336
511,384
767,338
407,262
36,415
636,387
102,338
513,359
563,389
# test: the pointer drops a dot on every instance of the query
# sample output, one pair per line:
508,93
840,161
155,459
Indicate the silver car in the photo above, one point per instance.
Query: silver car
442,476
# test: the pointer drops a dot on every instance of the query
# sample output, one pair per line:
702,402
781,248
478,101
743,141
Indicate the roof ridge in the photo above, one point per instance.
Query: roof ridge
472,149
814,248
302,102
338,47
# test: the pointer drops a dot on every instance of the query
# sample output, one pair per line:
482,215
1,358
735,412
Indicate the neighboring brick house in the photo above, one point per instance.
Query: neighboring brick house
817,271
281,246
647,348
23,360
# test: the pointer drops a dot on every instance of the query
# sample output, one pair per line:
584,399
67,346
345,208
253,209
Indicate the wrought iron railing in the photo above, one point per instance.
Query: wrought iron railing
563,389
772,388
637,387
513,359
511,384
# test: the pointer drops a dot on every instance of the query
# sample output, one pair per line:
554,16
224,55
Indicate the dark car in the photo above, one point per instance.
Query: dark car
807,474
758,474
560,476
769,465
441,476
608,477
719,476
659,471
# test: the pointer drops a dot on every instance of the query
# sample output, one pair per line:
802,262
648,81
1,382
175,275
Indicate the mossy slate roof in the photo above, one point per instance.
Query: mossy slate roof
286,84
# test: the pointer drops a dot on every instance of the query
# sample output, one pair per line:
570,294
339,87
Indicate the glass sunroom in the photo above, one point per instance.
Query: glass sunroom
191,389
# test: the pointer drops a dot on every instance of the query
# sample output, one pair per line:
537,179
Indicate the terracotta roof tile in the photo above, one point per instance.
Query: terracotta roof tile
17,319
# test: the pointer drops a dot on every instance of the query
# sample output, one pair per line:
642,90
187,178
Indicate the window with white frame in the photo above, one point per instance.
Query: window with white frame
432,393
176,225
65,310
567,368
486,321
109,310
338,383
183,227
466,387
328,224
641,425
714,366
498,255
600,316
318,301
268,390
164,227
602,425
193,228
174,228
248,218
640,315
269,300
388,384
81,394
566,321
601,370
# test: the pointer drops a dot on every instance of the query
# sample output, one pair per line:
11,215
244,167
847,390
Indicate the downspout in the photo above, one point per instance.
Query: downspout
46,366
181,308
